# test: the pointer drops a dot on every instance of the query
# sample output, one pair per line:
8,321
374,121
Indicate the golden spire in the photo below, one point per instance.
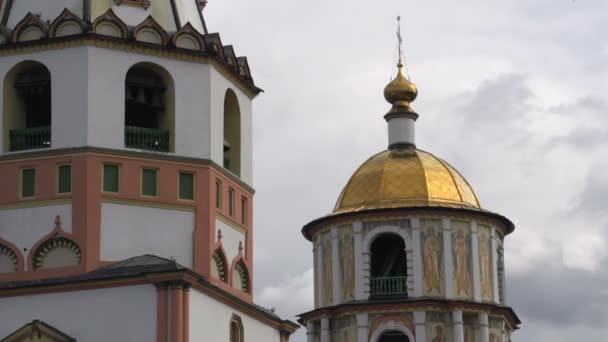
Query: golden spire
400,92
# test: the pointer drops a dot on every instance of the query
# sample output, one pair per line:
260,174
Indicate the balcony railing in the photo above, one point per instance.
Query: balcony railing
29,138
147,138
388,286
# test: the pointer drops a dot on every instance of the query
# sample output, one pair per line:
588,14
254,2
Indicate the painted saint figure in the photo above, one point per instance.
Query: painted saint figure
348,267
463,283
432,250
486,276
439,336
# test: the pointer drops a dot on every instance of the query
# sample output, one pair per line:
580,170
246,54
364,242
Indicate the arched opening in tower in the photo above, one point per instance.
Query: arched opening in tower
393,336
232,133
388,266
27,107
148,108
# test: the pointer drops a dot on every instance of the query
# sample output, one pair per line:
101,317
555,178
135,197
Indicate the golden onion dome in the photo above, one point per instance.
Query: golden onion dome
405,177
400,92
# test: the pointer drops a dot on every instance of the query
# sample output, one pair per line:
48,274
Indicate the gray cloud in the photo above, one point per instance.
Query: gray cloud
510,94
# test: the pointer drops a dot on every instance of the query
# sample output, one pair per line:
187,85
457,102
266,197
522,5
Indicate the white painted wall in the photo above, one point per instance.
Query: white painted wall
128,231
24,227
230,240
188,12
116,314
210,321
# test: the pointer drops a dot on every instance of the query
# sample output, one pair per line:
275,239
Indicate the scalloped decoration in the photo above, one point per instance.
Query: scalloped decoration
149,31
30,28
219,265
66,24
5,35
9,262
58,251
109,24
240,277
189,38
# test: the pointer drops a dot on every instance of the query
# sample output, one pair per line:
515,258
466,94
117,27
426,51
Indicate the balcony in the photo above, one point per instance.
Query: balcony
388,286
29,138
147,138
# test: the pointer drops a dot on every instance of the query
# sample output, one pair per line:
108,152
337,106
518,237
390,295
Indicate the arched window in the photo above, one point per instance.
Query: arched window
394,336
388,266
232,133
149,108
27,107
236,330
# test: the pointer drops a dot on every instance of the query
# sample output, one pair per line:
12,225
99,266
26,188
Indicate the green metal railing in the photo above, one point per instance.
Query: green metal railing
29,138
147,138
388,286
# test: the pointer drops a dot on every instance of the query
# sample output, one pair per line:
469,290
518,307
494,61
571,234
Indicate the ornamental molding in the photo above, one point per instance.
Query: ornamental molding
66,17
58,238
30,22
10,251
135,3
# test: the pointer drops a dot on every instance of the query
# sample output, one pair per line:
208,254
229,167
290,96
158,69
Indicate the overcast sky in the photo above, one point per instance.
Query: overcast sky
512,93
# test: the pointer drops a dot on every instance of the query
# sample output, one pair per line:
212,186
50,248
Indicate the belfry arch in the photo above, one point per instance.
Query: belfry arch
388,265
232,133
149,108
27,107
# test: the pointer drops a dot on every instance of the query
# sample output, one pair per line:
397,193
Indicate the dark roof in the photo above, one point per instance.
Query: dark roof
131,267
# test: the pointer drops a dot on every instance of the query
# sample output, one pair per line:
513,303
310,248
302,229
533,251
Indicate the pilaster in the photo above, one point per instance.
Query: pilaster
416,248
448,259
420,322
337,274
484,332
475,262
325,329
458,326
358,254
362,327
320,272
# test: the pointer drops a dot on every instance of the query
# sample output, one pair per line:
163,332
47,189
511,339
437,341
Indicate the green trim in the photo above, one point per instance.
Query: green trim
111,176
28,183
64,179
186,185
149,182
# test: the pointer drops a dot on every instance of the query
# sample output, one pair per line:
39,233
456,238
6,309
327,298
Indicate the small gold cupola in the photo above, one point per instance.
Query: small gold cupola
400,92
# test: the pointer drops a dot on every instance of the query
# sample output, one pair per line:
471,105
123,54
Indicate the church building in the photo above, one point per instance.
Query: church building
408,253
126,176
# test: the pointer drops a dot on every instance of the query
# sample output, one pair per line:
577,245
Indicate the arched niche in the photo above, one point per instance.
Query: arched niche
149,108
55,252
11,260
240,277
388,266
392,331
232,133
219,265
237,333
27,107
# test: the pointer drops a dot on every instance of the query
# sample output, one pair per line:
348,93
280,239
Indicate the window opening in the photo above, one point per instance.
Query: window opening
110,178
388,266
64,174
149,179
28,183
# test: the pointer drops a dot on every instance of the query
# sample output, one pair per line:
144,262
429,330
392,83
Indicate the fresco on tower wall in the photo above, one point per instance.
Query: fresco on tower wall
469,324
344,329
347,264
432,256
437,327
461,253
485,263
496,326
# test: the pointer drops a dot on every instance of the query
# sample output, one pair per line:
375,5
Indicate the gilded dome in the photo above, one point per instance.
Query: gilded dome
405,177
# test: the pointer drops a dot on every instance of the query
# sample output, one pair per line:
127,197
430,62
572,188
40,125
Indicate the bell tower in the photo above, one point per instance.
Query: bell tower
408,254
125,154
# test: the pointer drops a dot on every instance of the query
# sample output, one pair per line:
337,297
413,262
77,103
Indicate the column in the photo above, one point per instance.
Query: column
337,274
420,322
362,327
315,252
475,262
416,248
324,329
484,332
448,259
310,332
458,326
320,272
494,256
358,253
